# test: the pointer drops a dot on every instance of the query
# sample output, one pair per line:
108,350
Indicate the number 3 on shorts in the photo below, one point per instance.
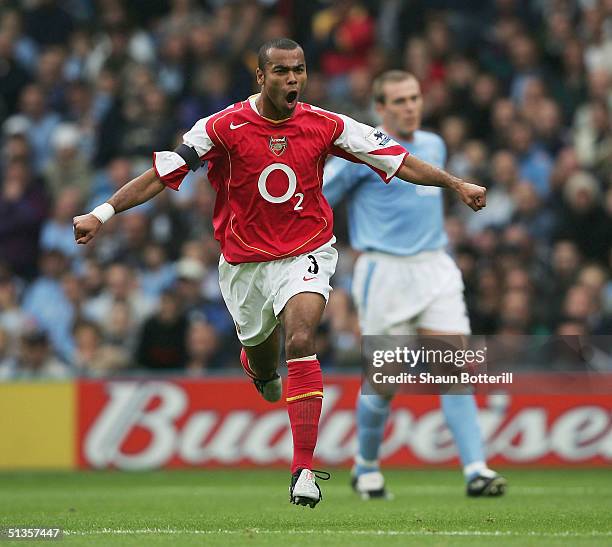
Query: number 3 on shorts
314,269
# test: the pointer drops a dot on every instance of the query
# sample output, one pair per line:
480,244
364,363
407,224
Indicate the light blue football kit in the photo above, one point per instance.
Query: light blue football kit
404,280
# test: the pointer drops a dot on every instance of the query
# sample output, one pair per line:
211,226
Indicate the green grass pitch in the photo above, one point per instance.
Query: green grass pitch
251,508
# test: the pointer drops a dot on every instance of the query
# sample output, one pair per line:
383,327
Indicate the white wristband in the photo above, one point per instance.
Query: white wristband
103,212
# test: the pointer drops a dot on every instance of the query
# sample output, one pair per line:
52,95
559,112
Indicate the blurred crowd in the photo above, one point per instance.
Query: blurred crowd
520,91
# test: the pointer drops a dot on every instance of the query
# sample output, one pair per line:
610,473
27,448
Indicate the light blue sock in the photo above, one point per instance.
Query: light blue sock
461,416
372,414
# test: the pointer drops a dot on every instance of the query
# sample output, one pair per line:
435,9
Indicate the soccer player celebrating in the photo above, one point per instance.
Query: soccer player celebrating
400,229
265,161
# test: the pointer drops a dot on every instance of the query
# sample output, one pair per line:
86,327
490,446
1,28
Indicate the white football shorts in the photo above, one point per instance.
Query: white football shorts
400,294
255,293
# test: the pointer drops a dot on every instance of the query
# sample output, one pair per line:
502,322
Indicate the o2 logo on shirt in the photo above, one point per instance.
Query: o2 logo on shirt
291,178
378,137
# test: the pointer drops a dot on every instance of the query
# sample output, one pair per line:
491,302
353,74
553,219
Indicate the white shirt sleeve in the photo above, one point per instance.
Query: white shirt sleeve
198,138
170,167
361,143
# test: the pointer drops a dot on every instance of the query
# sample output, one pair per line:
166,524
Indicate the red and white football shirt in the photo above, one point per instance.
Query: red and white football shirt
268,175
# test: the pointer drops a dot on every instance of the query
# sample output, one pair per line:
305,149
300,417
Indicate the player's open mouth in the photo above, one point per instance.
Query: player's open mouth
291,98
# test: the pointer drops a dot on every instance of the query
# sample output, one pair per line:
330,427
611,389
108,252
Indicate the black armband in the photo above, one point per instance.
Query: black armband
189,155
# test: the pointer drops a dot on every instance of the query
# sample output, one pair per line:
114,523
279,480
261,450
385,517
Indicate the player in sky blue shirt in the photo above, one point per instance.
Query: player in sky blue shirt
404,281
402,219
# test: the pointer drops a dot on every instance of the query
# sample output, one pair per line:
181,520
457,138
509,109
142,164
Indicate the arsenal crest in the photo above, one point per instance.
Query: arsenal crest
278,145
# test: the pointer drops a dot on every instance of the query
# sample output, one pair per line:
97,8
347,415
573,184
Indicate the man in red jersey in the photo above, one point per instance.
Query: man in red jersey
265,161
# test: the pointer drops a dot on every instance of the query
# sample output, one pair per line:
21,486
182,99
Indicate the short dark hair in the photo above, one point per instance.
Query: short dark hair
391,76
277,43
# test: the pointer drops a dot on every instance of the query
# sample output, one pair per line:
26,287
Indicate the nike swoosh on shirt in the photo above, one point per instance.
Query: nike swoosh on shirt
309,278
232,126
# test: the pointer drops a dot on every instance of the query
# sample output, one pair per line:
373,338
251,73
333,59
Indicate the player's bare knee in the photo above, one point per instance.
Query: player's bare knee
299,343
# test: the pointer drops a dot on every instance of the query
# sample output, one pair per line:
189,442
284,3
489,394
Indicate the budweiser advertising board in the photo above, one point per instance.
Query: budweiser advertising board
224,422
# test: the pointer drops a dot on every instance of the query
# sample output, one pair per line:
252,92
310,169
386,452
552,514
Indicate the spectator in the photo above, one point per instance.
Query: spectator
161,345
50,76
172,69
68,167
35,360
120,329
580,305
16,147
57,231
571,89
108,181
483,95
157,274
92,357
41,123
593,139
171,225
121,285
549,132
584,220
500,202
13,319
202,343
79,50
119,48
484,307
25,48
147,125
56,302
534,96
524,56
534,164
44,298
515,313
107,114
454,131
211,92
132,237
190,273
503,115
81,115
358,103
595,278
529,212
13,78
23,206
417,61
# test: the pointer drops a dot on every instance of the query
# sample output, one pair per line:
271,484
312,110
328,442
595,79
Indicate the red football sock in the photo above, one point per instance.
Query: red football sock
244,361
304,400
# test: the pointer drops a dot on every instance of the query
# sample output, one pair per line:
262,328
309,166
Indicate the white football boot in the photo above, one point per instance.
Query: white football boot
370,486
304,489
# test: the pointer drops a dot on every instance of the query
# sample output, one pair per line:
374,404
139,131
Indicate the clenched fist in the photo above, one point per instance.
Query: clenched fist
85,228
472,195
